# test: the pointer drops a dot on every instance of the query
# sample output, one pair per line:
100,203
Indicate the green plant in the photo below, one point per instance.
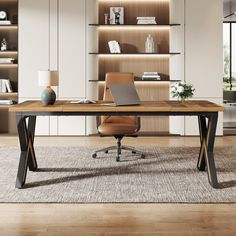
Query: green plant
182,91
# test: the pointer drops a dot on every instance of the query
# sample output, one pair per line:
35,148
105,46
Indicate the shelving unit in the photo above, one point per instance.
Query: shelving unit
9,71
132,38
135,53
135,25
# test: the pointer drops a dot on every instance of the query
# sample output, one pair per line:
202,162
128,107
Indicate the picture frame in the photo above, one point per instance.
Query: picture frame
114,47
116,15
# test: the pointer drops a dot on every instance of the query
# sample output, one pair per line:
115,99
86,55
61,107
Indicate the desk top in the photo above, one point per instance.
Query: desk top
145,107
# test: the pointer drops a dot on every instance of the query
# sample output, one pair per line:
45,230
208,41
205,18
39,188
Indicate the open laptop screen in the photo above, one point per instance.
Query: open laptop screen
124,94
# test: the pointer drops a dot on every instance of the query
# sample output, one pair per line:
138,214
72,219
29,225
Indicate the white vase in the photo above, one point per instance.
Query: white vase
149,45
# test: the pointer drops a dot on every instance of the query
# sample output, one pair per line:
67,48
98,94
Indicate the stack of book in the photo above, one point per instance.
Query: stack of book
6,102
143,20
151,76
5,22
7,60
5,86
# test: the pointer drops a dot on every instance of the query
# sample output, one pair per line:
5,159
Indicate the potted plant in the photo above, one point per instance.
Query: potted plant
182,91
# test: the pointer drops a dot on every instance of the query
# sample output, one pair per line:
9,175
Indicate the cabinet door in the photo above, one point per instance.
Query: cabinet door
204,42
191,123
33,45
71,125
72,48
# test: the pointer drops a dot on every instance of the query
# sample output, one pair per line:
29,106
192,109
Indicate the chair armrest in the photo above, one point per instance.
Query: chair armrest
98,121
138,123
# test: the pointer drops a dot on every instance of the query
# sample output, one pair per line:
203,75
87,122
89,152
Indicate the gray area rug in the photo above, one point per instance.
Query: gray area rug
70,175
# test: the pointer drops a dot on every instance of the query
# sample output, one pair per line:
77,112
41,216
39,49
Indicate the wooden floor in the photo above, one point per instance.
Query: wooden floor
118,219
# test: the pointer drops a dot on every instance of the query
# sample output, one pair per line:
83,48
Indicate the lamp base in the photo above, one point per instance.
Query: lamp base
48,96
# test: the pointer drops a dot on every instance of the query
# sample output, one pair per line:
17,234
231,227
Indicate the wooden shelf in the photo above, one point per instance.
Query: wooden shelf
6,95
9,27
9,52
5,107
135,53
135,25
142,81
9,65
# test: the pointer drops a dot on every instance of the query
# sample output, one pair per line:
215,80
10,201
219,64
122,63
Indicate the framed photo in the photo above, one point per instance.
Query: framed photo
116,15
114,47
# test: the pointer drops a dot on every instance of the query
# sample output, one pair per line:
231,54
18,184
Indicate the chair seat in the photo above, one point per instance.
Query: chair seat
117,129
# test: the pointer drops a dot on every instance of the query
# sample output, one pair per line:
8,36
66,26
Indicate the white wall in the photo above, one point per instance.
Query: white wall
204,53
54,34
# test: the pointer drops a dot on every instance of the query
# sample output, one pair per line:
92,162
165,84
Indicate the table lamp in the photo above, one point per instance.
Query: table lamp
48,79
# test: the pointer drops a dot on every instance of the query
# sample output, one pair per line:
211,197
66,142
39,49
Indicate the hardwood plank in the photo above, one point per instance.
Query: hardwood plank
118,219
158,106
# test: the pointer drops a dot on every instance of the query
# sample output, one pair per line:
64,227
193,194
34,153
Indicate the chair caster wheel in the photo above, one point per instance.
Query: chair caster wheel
106,152
118,159
142,156
94,155
134,152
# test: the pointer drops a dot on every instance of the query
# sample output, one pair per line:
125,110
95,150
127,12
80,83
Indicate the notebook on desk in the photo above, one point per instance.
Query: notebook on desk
123,95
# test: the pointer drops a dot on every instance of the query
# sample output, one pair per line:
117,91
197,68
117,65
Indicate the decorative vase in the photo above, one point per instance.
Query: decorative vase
149,45
48,96
183,99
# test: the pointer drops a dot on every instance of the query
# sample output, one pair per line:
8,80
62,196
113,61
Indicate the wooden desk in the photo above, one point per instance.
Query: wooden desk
206,112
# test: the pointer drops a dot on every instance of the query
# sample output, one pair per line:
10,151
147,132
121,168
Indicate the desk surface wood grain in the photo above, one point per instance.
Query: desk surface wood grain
149,106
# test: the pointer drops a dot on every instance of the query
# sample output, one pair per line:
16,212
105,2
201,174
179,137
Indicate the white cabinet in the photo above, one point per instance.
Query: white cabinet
33,53
71,125
52,36
33,45
72,48
72,60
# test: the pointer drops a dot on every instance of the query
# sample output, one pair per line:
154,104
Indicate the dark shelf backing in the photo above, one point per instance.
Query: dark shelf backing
154,81
142,53
135,25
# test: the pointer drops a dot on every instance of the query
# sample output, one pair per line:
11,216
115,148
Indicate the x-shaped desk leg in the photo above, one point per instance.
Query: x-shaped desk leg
27,157
206,155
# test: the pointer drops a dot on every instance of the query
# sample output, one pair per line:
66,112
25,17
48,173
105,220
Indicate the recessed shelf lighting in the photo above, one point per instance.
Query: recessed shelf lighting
143,1
134,27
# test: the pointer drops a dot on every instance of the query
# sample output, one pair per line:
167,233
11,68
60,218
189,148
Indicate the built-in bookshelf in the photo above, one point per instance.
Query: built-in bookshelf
132,36
9,71
133,58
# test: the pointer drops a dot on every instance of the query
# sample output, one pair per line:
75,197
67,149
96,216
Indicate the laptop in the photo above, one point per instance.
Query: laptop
124,95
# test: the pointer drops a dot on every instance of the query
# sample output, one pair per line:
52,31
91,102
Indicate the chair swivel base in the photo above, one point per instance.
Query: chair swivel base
119,149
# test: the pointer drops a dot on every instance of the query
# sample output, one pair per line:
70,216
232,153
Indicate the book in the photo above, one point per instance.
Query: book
8,85
150,73
151,76
6,102
146,18
5,22
5,86
6,60
146,22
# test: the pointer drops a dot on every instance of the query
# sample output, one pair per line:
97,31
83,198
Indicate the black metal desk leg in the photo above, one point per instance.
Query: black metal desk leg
209,150
31,132
201,165
27,156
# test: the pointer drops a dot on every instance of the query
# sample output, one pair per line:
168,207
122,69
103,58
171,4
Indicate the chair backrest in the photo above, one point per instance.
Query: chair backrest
117,78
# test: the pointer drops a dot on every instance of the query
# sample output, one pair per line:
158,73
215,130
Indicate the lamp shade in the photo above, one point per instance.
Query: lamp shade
48,78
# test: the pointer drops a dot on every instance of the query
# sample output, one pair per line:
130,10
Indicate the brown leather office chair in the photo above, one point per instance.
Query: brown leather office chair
118,126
